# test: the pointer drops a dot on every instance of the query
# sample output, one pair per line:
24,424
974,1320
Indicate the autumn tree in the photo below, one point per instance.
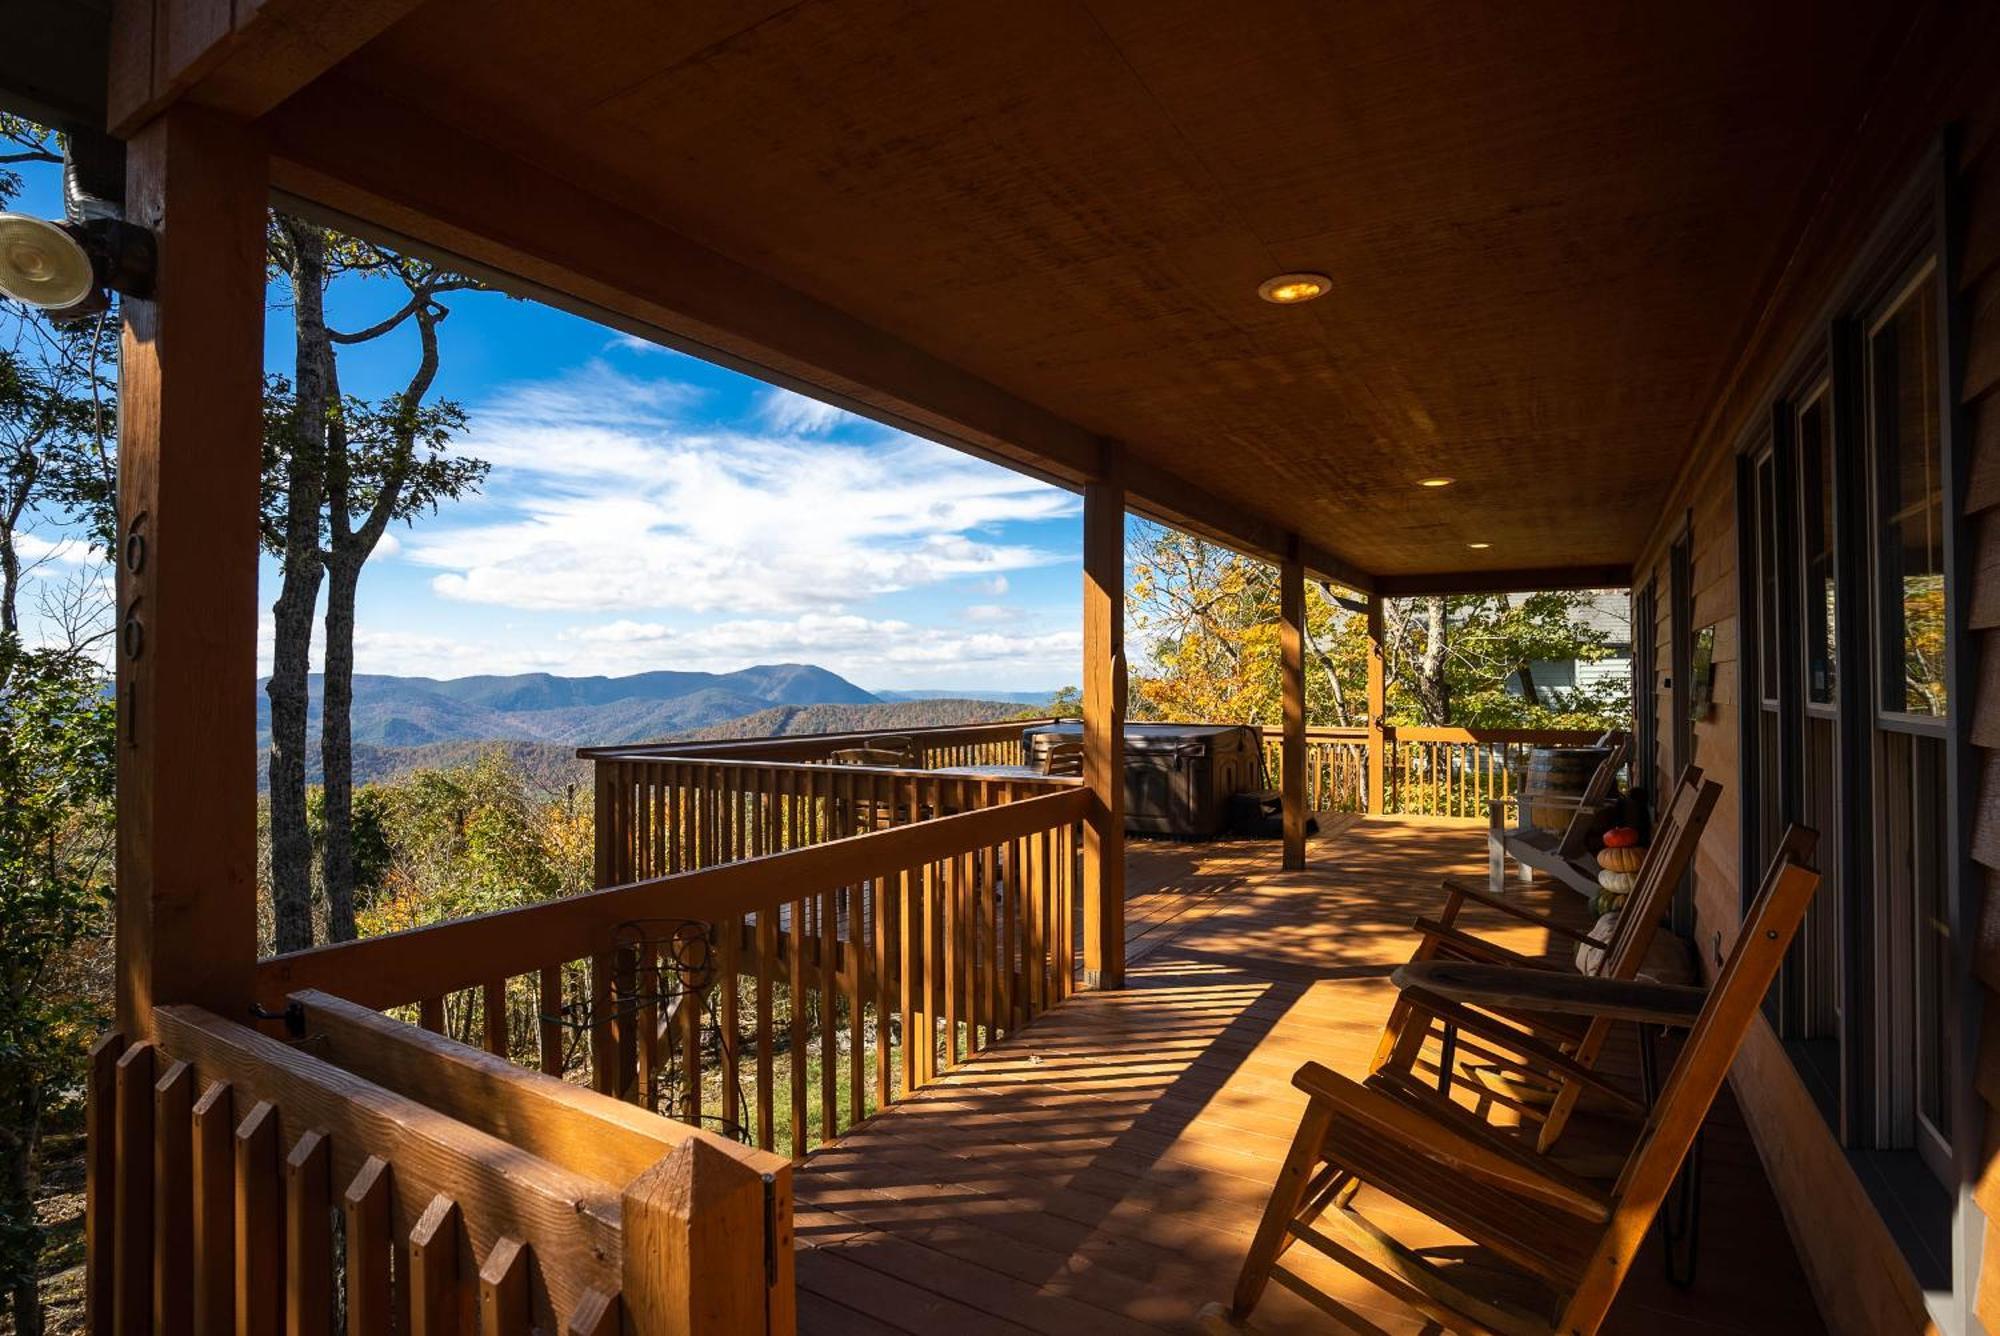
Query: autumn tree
1208,620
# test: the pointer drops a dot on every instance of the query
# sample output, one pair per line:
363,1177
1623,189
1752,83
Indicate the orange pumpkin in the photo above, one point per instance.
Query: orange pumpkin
1625,858
1621,837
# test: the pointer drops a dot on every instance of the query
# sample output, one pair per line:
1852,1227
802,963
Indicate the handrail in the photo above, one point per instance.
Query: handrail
399,968
944,735
219,1155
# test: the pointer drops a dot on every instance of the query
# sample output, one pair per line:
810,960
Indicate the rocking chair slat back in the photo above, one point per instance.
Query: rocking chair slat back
1697,1075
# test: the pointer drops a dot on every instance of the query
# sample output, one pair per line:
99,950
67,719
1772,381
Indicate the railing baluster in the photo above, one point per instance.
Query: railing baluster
690,1039
503,1289
767,953
434,1279
493,1011
796,967
852,953
308,1238
260,1223
881,913
370,1246
549,1002
100,1183
829,1025
213,1231
132,1255
729,1041
173,1201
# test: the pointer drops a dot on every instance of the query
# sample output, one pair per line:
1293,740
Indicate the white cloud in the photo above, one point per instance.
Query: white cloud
990,612
790,413
997,586
35,550
625,508
388,546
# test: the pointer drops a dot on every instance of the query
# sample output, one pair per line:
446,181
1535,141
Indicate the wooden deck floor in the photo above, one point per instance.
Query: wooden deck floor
1101,1173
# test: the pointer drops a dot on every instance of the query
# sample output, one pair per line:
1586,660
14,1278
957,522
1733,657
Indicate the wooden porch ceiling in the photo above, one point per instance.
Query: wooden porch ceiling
1033,227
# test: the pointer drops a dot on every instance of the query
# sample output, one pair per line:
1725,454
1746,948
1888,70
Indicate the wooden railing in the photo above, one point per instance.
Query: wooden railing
1336,767
658,815
956,744
790,994
472,1195
1426,771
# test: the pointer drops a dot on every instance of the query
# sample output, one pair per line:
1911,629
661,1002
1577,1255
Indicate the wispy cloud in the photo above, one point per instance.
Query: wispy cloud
628,507
792,414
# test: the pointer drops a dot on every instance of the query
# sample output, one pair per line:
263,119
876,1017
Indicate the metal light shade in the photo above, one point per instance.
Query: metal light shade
42,264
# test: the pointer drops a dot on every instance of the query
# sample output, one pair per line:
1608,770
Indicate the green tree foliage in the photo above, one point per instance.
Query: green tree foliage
57,754
469,840
57,409
1204,621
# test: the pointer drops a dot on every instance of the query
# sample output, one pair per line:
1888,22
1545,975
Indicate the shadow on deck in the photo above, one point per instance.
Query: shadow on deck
1102,1172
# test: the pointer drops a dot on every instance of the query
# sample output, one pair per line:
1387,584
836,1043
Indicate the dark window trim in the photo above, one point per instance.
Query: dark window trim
1926,217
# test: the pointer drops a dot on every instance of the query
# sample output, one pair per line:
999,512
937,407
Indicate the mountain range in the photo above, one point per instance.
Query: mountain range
415,712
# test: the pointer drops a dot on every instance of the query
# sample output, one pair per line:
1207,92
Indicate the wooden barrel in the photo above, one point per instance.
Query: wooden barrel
1559,772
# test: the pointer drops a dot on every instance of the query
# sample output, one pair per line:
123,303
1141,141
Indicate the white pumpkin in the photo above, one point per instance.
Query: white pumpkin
1618,883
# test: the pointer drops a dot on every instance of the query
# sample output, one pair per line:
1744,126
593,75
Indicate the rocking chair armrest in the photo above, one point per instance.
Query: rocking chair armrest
1536,1052
1587,995
1454,943
1435,1140
1458,886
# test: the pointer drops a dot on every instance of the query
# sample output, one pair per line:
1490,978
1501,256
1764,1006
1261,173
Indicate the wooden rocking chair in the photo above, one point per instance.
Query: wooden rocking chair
1551,1249
1578,1040
1561,854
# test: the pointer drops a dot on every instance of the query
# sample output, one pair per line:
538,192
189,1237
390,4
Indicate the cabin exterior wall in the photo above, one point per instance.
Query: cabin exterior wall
1934,116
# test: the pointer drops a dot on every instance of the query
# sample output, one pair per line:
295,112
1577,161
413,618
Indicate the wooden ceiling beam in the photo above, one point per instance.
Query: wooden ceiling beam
1518,581
545,237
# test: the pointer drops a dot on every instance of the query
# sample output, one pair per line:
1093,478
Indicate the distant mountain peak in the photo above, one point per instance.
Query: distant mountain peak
572,711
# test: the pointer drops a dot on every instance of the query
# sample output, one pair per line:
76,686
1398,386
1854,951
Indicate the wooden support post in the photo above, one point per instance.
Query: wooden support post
1292,669
190,428
1104,723
692,1261
1378,710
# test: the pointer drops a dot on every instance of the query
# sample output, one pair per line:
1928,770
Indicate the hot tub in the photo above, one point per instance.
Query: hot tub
1179,778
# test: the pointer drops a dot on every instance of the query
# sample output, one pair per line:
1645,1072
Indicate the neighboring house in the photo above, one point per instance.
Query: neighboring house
1609,612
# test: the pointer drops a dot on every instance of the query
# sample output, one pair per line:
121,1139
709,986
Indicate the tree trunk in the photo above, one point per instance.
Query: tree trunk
18,1182
292,614
336,747
348,550
10,583
1432,690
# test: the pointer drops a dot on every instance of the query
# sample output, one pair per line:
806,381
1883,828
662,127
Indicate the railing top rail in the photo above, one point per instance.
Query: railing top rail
821,768
943,734
1556,737
399,968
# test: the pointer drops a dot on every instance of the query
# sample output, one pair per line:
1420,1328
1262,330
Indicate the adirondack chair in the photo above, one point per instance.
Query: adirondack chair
1621,957
1568,1240
1561,854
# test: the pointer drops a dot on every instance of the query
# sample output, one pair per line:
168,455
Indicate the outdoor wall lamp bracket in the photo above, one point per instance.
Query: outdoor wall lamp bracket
68,268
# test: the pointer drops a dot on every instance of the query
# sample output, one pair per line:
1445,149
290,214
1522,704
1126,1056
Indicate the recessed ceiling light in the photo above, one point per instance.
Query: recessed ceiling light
1479,546
1434,482
1291,289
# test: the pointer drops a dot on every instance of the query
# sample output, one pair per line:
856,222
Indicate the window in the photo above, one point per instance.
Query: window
1817,532
1903,392
1915,996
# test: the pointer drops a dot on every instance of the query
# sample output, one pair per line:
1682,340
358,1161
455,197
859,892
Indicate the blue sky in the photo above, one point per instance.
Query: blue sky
649,510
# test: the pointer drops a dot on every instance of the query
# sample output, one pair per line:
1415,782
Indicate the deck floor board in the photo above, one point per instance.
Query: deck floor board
1101,1172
